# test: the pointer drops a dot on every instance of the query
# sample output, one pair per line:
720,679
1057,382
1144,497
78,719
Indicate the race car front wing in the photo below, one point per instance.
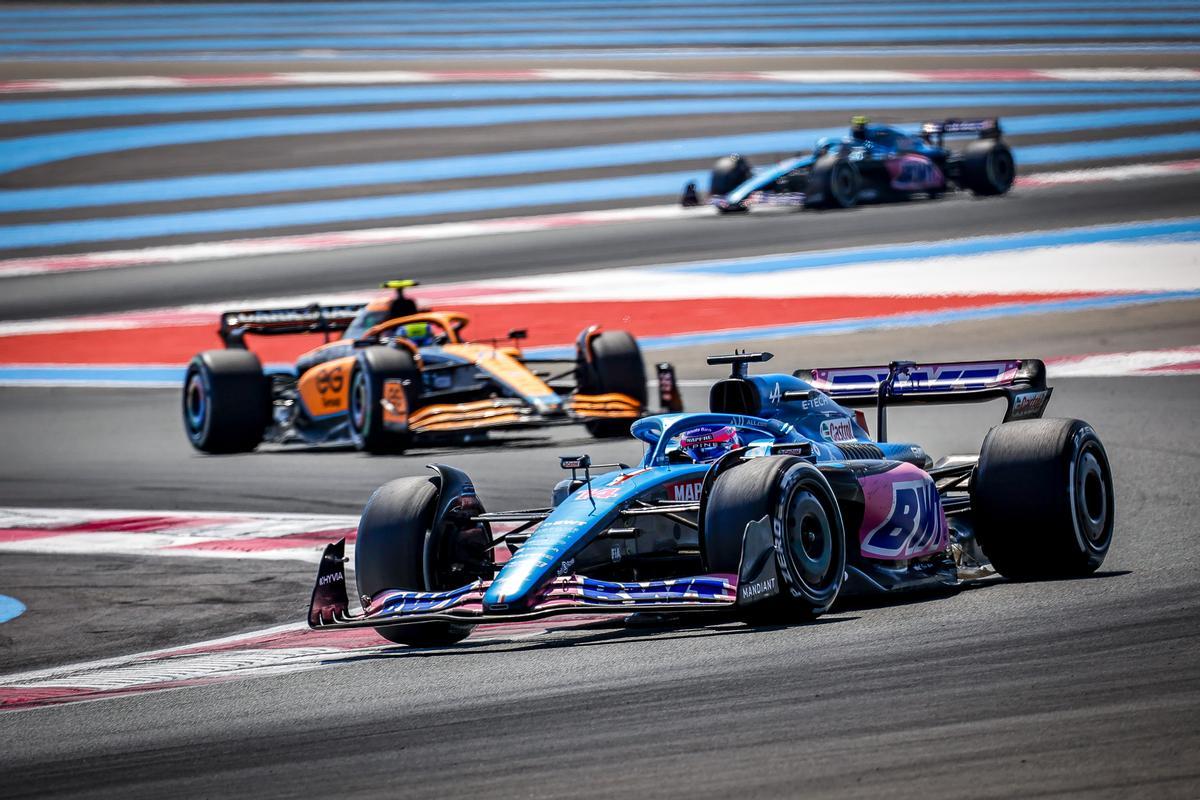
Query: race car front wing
758,580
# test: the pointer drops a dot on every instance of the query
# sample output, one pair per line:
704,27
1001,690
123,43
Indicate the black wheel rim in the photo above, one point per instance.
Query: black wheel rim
1092,496
843,185
359,401
810,540
195,402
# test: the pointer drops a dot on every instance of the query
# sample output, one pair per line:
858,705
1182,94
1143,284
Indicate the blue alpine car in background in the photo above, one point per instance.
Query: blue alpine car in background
874,164
772,504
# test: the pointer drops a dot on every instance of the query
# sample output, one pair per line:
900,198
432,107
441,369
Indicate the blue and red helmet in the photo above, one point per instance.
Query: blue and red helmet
706,443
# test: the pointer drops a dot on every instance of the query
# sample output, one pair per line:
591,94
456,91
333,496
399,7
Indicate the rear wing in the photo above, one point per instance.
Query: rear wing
1021,382
281,321
984,128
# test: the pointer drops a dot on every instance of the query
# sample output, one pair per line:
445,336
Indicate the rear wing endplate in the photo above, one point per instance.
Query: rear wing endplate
984,128
1021,382
281,321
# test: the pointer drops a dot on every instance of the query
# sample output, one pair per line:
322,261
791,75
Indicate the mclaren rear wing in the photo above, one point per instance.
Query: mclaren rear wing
1021,382
281,321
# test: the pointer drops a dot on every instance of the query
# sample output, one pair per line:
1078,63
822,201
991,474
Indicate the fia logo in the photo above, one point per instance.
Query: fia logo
776,394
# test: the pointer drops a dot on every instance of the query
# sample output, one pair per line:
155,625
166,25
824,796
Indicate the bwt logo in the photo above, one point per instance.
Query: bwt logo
913,524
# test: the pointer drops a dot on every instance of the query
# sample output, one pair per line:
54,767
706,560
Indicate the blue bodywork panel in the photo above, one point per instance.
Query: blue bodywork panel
576,521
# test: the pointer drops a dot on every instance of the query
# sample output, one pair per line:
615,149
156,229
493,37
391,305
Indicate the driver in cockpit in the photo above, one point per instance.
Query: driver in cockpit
703,444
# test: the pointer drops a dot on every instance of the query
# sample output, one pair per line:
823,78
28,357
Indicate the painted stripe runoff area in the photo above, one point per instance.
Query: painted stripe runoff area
483,165
10,608
334,240
28,151
172,533
670,305
343,95
921,33
818,78
309,24
285,648
500,198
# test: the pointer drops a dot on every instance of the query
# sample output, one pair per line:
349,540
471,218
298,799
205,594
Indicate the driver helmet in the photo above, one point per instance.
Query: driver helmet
706,443
858,127
419,333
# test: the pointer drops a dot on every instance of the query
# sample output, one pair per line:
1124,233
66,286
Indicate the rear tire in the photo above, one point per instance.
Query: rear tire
226,401
375,366
390,554
988,168
1043,499
616,366
810,541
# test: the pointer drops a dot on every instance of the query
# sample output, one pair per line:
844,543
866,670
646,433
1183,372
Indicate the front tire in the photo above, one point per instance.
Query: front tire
839,181
389,553
616,366
375,366
226,401
810,541
728,174
1043,499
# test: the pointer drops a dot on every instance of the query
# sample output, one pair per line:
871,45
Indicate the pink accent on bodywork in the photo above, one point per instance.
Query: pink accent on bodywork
914,173
895,533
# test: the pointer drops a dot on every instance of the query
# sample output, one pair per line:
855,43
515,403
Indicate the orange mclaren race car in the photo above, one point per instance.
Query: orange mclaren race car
398,375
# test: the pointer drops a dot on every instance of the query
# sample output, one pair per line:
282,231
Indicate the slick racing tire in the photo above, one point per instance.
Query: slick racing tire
838,181
1043,500
987,168
729,173
365,402
810,540
226,401
389,553
616,366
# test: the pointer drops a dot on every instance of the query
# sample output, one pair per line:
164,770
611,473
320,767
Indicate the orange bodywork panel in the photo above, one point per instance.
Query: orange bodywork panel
325,389
395,406
464,416
503,366
613,405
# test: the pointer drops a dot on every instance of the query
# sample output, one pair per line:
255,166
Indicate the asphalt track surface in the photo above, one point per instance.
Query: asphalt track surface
1084,688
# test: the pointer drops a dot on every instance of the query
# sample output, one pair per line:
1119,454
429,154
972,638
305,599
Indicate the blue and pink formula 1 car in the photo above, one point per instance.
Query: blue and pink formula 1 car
874,164
773,505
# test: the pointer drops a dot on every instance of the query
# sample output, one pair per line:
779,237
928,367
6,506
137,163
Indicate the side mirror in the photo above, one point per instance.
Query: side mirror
517,334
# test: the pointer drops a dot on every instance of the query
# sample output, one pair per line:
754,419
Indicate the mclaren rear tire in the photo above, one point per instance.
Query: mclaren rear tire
389,553
1042,499
810,541
616,367
375,366
226,401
